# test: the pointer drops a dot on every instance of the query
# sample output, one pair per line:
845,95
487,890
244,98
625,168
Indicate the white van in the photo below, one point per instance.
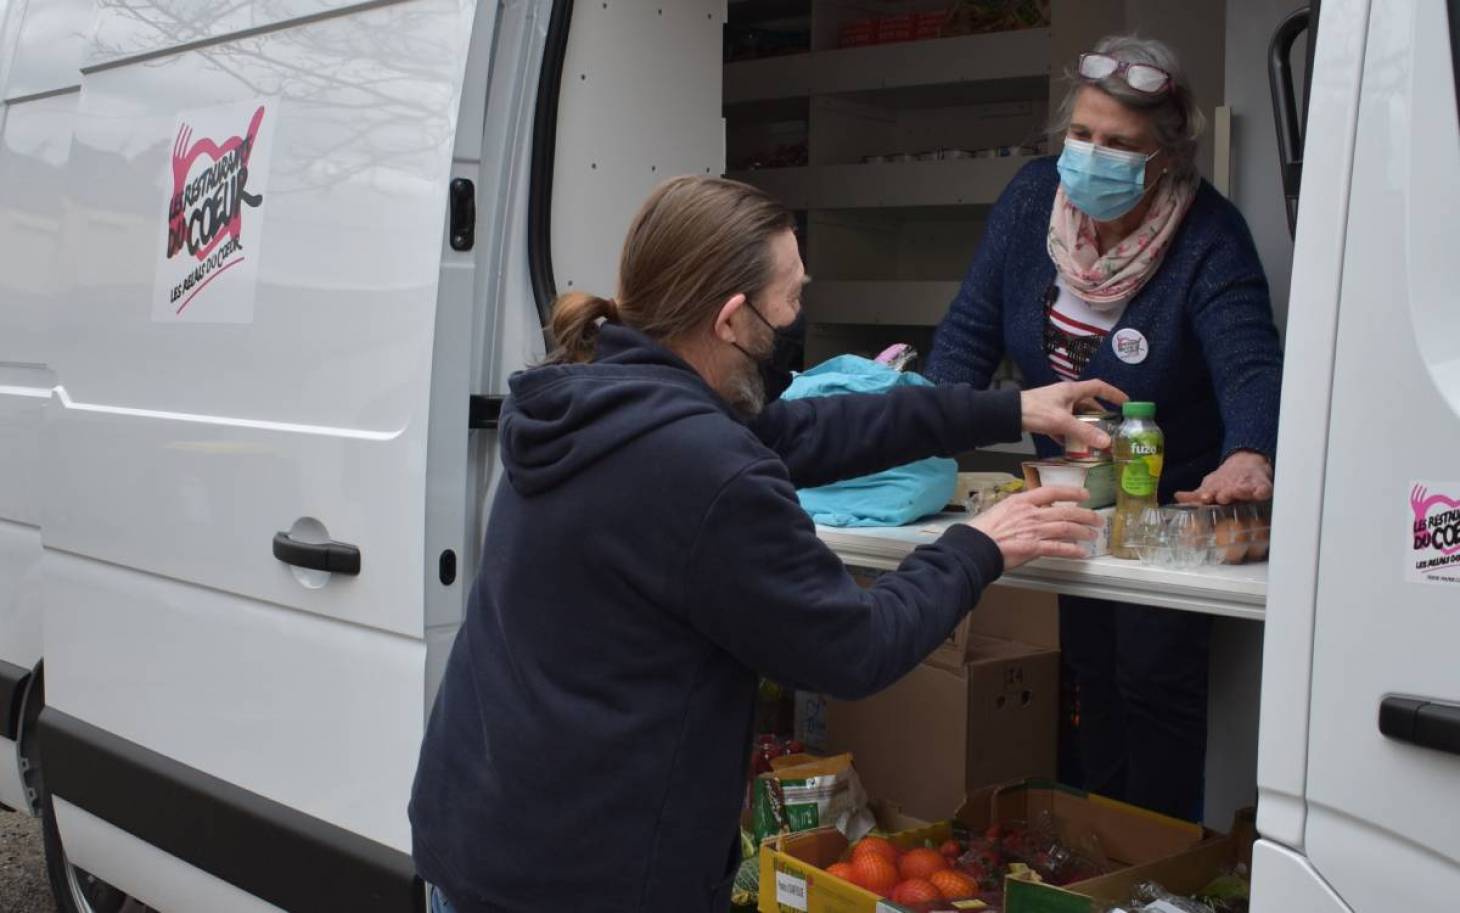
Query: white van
266,266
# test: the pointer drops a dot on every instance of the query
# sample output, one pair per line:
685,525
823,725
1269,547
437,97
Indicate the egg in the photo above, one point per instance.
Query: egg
1257,549
1231,539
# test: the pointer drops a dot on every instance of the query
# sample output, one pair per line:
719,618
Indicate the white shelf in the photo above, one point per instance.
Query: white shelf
1238,592
896,303
963,182
1020,55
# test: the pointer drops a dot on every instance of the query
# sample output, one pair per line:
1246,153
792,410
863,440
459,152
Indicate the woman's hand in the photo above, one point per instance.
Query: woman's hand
1244,476
1051,410
1031,525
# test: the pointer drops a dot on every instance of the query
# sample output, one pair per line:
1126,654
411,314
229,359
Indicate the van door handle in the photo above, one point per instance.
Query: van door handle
335,557
1429,724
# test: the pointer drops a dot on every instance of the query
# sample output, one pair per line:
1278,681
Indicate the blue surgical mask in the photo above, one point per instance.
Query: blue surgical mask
1104,183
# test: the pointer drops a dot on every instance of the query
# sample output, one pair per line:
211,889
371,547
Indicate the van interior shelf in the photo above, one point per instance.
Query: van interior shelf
1022,57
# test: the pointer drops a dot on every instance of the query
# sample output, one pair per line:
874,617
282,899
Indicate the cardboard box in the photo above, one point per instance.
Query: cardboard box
1096,478
941,733
792,867
793,873
1008,613
1183,873
1128,835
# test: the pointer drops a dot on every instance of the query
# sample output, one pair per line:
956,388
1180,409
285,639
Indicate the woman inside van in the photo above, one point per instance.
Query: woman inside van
1118,262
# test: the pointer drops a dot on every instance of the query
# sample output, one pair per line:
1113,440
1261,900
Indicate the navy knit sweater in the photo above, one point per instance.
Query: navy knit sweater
1215,362
644,560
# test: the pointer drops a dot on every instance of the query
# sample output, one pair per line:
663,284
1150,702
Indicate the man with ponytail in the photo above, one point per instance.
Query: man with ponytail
646,560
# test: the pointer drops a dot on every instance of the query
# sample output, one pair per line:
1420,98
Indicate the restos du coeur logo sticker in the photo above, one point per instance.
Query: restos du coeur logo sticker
217,177
1130,345
1435,551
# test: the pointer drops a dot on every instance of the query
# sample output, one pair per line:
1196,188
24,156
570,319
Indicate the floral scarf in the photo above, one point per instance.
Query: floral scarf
1113,278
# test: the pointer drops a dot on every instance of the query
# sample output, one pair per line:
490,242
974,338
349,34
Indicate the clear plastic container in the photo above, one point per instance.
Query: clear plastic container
1186,536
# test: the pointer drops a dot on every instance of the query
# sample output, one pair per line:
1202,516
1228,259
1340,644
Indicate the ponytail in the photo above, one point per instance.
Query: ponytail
574,325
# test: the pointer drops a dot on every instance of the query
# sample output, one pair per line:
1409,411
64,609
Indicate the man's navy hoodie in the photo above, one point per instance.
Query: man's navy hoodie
645,561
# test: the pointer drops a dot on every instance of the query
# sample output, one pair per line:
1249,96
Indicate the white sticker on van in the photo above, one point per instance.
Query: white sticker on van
217,182
1434,552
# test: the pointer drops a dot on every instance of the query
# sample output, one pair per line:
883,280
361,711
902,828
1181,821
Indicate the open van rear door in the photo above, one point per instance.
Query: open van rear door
236,453
1378,767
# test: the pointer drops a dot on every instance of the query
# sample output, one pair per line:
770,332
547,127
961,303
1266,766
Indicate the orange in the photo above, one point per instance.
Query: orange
921,862
954,885
873,872
951,849
879,845
915,890
842,870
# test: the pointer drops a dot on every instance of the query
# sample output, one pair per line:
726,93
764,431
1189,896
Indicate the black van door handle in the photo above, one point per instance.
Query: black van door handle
335,557
1429,724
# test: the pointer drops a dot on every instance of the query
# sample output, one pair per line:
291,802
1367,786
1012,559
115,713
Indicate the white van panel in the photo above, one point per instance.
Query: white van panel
170,884
34,146
1394,432
20,619
511,337
1282,764
131,29
33,152
1289,884
640,102
318,715
53,38
12,787
183,447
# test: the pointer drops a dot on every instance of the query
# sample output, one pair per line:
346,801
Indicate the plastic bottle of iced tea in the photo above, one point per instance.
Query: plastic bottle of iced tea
1140,451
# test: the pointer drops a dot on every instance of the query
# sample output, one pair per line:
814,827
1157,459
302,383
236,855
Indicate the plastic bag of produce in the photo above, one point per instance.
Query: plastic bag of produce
823,793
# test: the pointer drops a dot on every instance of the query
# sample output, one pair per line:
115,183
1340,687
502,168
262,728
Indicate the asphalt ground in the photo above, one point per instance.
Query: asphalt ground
23,887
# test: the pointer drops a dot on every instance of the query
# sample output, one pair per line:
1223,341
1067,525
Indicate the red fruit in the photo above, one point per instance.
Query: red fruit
915,890
950,849
879,845
974,870
842,870
921,862
874,872
954,885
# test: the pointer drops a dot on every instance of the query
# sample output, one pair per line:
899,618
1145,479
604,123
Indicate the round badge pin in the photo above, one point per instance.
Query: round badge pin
1130,346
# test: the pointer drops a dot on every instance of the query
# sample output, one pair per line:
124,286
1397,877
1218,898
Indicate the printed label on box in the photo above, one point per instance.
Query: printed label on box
791,891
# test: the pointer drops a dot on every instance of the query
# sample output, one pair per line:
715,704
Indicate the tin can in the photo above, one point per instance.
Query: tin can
1080,452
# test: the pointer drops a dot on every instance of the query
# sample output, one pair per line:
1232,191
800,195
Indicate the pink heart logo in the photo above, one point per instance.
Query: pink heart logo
1423,503
186,225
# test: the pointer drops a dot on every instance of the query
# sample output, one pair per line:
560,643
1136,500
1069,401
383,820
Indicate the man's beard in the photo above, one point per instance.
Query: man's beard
746,392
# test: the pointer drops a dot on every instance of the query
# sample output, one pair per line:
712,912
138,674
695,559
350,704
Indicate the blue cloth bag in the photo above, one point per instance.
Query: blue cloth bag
894,497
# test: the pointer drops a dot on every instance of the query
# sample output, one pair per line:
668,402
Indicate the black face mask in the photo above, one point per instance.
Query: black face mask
786,353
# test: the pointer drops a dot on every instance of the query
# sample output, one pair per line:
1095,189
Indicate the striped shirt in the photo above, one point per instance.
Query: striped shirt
1075,330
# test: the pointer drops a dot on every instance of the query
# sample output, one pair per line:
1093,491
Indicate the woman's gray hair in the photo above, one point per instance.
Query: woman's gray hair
1175,118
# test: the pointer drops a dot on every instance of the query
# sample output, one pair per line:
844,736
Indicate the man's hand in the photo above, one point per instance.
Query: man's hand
1051,410
1031,525
1244,476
